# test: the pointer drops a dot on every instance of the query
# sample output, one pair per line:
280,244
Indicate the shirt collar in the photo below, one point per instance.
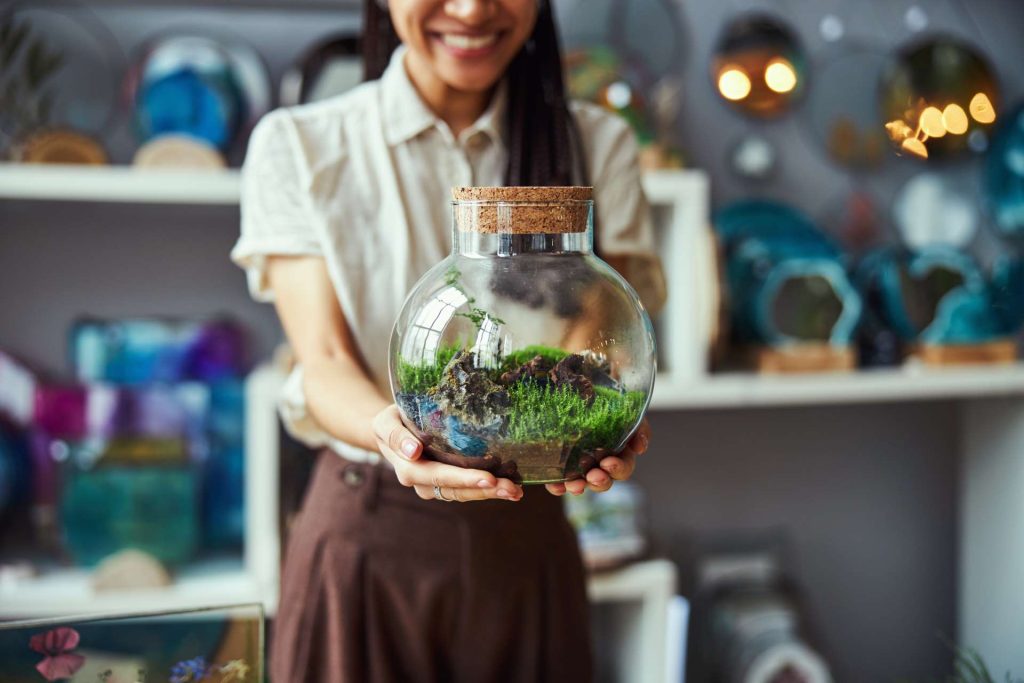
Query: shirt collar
406,115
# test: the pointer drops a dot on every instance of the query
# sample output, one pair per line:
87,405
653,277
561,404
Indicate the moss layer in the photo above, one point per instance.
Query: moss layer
419,379
550,414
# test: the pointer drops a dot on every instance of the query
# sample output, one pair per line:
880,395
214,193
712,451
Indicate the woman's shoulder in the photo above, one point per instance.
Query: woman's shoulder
319,128
608,140
596,121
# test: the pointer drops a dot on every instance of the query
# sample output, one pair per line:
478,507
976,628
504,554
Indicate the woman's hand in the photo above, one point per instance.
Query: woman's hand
404,451
611,469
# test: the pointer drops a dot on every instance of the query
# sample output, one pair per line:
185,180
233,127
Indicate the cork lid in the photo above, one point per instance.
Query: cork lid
522,210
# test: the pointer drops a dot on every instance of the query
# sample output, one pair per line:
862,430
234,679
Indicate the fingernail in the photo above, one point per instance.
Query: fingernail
643,442
484,484
408,448
502,493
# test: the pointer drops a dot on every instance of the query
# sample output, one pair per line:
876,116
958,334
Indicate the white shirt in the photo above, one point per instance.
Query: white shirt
364,180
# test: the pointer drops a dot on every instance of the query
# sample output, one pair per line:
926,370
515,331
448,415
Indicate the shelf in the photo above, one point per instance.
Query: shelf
122,184
633,582
67,592
908,383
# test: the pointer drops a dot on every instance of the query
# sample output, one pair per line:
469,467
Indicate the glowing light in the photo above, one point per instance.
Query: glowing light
954,119
981,108
898,130
619,95
915,146
780,76
931,122
733,83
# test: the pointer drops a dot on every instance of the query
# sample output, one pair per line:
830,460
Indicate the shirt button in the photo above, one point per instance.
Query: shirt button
353,475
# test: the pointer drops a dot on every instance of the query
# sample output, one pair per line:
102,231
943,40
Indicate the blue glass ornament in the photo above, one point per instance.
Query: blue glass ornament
787,280
1003,176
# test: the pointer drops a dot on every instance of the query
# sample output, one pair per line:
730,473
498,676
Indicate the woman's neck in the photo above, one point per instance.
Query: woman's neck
457,108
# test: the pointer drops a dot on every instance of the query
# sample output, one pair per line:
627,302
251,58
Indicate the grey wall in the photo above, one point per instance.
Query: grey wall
866,493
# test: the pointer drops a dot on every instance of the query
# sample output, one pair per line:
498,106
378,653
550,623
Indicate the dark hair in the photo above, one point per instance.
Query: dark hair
541,136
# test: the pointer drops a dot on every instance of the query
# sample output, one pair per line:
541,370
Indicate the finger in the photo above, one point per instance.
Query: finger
392,433
576,486
619,466
555,489
599,480
431,473
460,495
641,440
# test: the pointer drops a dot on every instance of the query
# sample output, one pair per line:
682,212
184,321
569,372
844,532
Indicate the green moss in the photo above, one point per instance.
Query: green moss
526,354
418,379
545,414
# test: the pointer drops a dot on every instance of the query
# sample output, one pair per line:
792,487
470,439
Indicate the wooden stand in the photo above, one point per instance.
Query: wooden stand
802,358
1001,351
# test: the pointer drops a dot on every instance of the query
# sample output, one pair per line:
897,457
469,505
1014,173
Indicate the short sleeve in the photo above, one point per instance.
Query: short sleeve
275,201
622,215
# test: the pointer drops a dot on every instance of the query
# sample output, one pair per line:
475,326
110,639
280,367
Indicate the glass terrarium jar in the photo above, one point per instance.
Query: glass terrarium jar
522,353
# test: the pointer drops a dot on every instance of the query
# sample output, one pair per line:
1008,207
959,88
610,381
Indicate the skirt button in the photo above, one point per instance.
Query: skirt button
353,475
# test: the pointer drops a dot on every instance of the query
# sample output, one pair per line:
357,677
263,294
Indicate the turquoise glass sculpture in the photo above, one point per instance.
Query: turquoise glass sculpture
939,295
110,508
787,280
1003,178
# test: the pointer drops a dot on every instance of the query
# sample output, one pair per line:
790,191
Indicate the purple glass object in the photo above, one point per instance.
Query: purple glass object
62,410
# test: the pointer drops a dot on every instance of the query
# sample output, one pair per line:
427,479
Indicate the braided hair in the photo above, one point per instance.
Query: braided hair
542,139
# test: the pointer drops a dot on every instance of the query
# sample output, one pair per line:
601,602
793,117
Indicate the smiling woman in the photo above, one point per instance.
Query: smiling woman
345,204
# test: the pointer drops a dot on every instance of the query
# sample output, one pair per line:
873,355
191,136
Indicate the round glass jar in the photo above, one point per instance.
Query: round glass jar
522,353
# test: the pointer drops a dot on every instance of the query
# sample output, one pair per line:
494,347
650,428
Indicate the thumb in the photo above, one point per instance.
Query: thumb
391,431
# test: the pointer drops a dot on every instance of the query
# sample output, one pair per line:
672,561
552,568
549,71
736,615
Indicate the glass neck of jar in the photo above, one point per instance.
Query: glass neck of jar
511,229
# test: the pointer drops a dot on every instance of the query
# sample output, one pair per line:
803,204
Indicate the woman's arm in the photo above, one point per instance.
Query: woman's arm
340,395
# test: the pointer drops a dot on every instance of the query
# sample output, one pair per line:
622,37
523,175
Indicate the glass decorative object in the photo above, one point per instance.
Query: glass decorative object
213,645
939,98
759,66
1003,178
522,353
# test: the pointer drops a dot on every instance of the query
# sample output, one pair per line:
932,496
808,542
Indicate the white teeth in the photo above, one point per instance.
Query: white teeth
463,42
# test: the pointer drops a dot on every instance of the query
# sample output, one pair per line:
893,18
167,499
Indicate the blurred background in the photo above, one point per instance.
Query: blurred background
833,486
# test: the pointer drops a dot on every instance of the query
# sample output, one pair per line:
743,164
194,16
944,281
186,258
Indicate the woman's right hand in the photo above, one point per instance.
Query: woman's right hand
405,453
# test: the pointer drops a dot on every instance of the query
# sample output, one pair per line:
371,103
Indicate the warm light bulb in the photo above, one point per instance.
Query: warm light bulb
982,109
954,119
733,83
780,76
931,122
915,146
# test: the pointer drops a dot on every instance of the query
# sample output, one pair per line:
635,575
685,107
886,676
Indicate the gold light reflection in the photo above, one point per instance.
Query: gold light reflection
935,123
931,122
915,146
780,76
981,108
733,83
954,119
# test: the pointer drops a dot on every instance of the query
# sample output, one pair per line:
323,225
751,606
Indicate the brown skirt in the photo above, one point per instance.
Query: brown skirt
379,585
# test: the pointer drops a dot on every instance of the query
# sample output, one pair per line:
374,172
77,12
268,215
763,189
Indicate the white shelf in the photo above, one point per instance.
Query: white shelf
122,184
68,592
908,383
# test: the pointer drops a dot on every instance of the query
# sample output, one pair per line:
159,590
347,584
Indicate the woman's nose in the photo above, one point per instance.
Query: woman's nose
470,11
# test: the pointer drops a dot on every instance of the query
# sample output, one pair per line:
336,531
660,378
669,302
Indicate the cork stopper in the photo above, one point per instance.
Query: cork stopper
522,210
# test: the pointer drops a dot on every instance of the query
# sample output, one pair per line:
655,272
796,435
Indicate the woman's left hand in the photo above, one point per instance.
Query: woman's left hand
611,469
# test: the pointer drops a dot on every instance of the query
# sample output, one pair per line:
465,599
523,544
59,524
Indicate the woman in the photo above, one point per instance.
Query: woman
345,204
